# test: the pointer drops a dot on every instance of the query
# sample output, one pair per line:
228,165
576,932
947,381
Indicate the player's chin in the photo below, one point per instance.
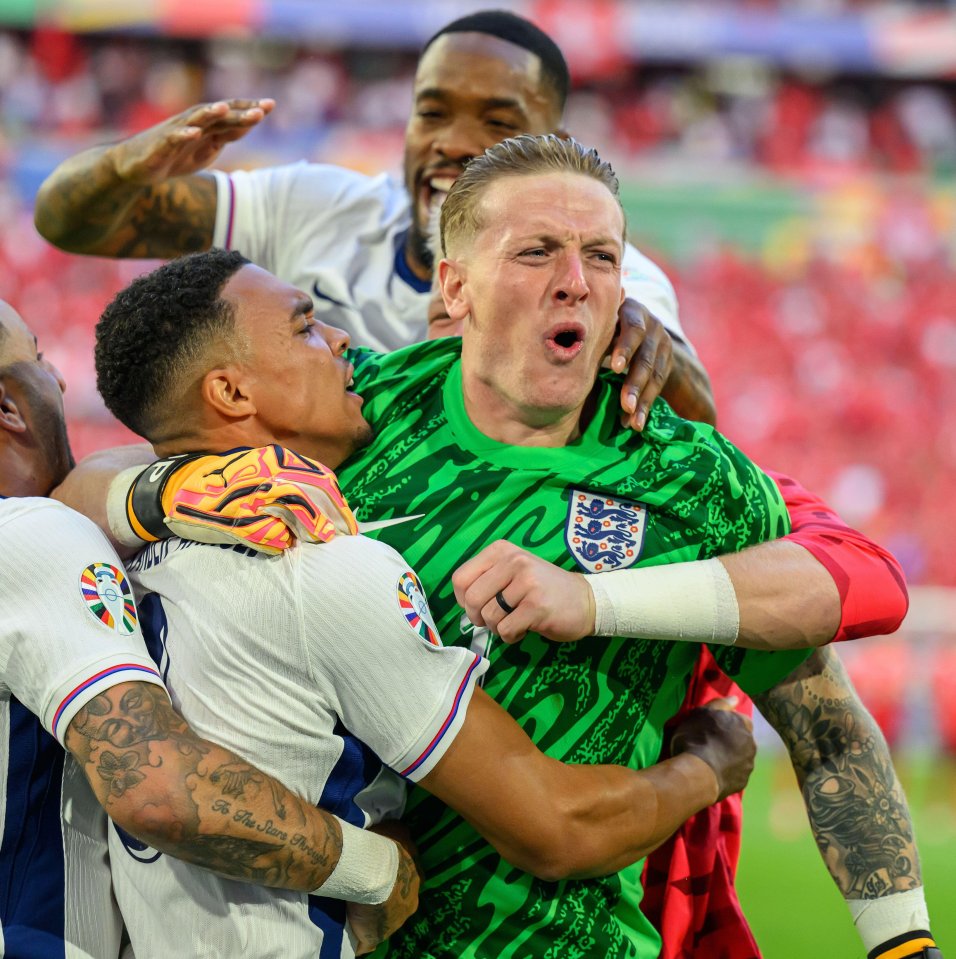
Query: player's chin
364,434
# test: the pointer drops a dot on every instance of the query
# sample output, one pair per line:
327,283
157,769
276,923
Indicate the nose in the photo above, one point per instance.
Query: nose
459,140
337,339
55,373
572,285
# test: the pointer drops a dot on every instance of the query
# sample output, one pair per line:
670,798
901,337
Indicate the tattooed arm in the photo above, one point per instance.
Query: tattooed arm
201,803
855,803
145,196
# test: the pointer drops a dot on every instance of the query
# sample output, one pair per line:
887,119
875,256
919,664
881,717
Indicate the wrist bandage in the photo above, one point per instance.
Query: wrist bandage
693,601
366,870
116,514
889,917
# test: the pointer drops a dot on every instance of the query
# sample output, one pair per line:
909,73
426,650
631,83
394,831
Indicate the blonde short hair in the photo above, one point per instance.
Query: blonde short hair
523,155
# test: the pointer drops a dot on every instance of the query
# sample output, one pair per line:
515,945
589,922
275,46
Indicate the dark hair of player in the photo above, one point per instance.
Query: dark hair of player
522,33
152,334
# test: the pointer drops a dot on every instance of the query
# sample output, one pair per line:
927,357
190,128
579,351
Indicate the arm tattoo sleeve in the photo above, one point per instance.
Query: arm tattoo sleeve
195,800
856,806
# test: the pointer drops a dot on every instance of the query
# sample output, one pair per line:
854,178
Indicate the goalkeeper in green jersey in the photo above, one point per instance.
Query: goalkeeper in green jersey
512,434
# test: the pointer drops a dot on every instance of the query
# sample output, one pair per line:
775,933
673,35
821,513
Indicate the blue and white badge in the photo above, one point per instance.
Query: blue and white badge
604,533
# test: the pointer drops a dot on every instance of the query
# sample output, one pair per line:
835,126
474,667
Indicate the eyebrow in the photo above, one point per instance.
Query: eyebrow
303,306
489,103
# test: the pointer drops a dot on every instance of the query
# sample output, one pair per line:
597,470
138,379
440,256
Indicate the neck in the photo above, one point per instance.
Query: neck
22,476
233,436
417,254
504,421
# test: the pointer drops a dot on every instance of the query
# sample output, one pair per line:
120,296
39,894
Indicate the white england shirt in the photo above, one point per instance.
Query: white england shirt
68,632
320,665
339,236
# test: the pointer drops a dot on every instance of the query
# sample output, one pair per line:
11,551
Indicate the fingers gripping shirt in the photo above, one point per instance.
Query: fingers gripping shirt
68,631
611,499
318,665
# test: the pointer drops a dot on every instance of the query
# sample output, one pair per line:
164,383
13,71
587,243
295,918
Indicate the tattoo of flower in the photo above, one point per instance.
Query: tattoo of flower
120,771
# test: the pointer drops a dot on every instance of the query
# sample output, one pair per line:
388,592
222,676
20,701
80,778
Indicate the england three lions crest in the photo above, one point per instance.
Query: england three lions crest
604,533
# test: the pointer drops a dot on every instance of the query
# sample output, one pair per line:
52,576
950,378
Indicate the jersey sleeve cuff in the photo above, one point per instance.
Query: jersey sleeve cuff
428,749
76,691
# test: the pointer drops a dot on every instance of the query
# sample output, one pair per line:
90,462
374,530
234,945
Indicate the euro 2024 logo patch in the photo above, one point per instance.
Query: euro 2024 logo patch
414,607
604,533
107,594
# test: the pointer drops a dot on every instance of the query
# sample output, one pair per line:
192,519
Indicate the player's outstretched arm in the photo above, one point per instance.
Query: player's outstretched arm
202,803
145,196
561,821
724,601
823,582
856,806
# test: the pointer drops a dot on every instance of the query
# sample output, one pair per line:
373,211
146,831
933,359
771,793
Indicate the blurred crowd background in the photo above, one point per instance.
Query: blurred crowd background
790,163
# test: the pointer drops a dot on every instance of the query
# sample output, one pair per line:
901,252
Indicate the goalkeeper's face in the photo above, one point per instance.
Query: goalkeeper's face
31,406
294,373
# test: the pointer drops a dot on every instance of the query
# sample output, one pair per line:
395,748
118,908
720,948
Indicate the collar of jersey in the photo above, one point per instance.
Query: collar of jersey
545,458
404,271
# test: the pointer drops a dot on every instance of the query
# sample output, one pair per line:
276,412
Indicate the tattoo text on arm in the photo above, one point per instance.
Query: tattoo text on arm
195,800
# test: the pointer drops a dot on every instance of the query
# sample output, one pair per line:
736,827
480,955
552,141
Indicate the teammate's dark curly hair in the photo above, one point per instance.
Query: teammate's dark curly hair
149,338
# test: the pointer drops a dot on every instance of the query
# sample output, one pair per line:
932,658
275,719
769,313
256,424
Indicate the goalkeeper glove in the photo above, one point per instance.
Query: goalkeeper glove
265,498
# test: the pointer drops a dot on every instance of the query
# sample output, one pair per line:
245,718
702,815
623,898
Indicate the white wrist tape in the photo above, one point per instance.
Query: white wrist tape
366,870
878,920
692,601
116,516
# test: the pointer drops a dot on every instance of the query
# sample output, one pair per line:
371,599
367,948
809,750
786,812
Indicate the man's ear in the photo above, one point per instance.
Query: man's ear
10,416
227,391
451,280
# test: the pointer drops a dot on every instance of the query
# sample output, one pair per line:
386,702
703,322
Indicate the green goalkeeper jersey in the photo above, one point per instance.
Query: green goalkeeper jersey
610,500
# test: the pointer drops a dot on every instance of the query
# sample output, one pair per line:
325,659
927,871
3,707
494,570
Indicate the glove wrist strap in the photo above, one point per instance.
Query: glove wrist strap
144,504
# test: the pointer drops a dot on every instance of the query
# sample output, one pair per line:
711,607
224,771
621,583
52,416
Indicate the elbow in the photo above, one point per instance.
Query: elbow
544,851
548,865
157,826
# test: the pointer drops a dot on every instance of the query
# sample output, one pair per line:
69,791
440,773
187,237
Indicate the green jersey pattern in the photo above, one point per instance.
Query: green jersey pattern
595,701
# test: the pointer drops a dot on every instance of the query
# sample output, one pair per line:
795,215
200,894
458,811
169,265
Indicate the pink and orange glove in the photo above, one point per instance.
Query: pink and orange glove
266,499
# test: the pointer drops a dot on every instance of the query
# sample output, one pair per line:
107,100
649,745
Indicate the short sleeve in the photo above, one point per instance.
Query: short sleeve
68,623
644,281
376,650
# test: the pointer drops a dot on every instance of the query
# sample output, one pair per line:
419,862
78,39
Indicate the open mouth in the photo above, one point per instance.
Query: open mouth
434,189
566,341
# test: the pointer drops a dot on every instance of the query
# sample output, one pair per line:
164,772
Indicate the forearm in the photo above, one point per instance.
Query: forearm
556,820
617,816
83,202
195,800
688,389
785,597
855,803
771,596
86,206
